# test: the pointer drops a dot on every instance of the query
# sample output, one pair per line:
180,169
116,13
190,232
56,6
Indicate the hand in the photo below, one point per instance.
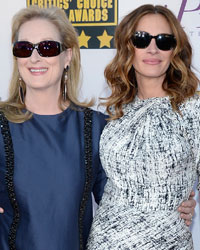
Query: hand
187,209
1,210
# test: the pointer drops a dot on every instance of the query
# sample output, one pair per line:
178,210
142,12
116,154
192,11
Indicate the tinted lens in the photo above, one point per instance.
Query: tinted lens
49,48
45,48
22,49
165,42
141,40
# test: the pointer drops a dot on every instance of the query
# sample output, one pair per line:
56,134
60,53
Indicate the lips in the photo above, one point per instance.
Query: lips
152,61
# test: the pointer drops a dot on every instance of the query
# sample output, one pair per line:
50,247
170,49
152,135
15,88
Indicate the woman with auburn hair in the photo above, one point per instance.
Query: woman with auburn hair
49,141
150,148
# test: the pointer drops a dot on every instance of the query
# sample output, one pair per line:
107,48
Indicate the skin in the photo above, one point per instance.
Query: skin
42,75
150,66
187,209
152,63
42,86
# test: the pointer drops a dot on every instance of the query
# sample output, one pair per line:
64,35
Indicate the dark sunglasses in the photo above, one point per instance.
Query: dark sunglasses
24,49
142,39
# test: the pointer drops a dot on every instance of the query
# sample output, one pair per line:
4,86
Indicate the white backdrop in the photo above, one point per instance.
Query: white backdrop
95,60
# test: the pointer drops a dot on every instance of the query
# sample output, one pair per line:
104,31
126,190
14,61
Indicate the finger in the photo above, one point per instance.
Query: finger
187,217
1,210
188,222
189,203
187,210
192,194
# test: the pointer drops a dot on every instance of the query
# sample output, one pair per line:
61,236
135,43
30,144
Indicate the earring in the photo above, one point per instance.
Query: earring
66,70
21,92
64,91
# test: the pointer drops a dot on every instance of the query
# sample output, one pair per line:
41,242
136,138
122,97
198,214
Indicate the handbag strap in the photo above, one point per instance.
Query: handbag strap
9,176
88,170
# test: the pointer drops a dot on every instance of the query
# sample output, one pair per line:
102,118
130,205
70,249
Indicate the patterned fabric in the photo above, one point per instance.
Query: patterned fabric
151,158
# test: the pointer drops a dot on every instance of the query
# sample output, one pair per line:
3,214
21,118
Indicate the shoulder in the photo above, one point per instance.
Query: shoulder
98,118
4,128
191,105
190,111
3,119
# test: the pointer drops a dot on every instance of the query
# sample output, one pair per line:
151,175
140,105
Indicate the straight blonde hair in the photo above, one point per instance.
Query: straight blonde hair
12,107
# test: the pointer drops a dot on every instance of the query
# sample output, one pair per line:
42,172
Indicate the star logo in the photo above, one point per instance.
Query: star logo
83,39
105,39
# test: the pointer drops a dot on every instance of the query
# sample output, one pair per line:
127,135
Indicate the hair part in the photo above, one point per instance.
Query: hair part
180,82
12,107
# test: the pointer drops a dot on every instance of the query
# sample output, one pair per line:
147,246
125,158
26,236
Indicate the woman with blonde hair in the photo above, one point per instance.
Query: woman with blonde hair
150,148
49,161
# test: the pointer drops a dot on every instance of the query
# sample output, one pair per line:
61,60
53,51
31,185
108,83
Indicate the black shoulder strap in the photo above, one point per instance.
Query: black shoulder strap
9,159
88,169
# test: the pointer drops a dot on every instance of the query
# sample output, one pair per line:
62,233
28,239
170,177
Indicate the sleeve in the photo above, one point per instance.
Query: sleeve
198,161
197,136
198,167
192,128
99,122
99,184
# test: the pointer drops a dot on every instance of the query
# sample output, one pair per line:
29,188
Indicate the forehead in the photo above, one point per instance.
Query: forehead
154,24
38,29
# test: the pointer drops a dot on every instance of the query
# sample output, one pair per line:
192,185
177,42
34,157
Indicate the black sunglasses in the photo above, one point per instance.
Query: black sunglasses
142,39
24,49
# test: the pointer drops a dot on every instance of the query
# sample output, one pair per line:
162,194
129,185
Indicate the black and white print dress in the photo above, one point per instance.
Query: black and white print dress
151,157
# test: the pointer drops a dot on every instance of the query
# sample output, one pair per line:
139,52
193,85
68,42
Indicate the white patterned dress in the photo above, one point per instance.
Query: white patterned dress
151,157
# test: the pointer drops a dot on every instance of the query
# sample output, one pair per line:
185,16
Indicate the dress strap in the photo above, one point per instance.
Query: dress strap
9,176
88,169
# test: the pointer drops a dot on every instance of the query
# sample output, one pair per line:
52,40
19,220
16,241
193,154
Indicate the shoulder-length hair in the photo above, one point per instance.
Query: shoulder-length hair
12,107
180,82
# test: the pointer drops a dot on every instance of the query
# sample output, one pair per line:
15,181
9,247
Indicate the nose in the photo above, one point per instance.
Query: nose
35,57
152,48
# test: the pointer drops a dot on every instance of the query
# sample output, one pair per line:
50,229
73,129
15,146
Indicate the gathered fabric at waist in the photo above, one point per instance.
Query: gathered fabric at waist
143,198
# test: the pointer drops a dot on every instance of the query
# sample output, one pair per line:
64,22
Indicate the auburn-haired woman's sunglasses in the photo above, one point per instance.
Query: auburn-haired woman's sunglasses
24,49
142,39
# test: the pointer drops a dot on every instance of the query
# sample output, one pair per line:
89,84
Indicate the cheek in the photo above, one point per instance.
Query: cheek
56,66
21,63
168,56
56,62
137,56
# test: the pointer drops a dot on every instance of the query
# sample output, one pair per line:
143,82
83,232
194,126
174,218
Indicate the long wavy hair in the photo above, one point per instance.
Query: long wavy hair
180,82
12,107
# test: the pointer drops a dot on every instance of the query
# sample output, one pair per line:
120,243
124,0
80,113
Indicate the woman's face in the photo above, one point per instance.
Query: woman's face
40,73
151,62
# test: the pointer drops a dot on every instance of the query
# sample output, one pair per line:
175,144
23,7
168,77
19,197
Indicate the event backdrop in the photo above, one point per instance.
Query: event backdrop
95,21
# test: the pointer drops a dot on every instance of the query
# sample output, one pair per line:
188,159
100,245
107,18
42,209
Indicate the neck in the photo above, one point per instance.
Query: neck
43,102
148,88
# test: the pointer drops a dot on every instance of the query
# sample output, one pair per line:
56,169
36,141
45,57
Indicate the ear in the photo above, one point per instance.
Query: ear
68,57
